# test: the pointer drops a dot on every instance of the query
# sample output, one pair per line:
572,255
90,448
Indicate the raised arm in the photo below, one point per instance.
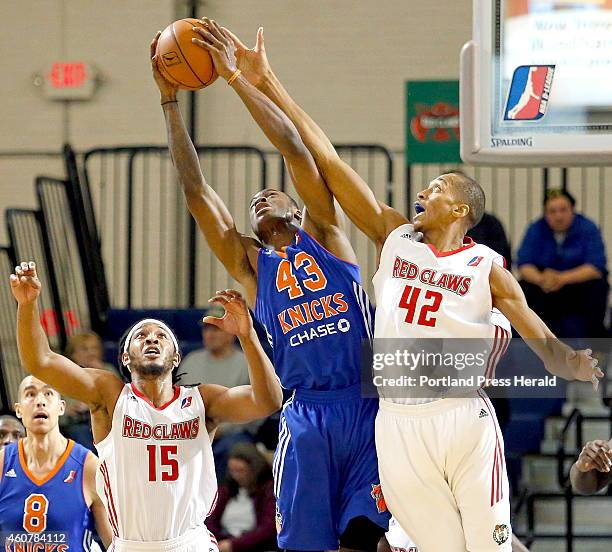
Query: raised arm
97,388
356,198
321,217
243,403
236,252
559,359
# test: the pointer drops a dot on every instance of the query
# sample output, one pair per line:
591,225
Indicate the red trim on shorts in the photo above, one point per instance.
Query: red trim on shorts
139,394
499,465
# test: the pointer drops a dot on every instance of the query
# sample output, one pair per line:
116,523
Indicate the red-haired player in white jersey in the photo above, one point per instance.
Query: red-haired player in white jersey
441,465
156,474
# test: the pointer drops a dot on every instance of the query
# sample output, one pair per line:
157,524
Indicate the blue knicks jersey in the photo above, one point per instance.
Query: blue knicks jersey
47,515
316,315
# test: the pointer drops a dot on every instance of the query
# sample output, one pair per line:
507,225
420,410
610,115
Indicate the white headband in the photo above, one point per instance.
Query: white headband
140,324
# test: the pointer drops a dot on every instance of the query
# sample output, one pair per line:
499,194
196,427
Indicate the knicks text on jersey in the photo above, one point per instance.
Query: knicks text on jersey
315,312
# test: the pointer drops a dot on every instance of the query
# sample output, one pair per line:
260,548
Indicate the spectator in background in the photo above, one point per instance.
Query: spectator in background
11,430
86,350
490,232
562,264
244,516
220,361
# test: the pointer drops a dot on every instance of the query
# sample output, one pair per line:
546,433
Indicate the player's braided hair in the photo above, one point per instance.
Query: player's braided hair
126,375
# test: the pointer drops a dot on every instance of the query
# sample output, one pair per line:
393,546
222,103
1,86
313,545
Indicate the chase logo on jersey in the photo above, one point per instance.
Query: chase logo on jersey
529,92
475,261
71,476
186,402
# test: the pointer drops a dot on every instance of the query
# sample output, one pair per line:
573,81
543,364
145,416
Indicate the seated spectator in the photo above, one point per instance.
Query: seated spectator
591,472
11,430
220,361
244,516
562,264
490,232
86,350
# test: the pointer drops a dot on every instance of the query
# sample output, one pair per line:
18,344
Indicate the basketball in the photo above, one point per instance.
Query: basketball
181,61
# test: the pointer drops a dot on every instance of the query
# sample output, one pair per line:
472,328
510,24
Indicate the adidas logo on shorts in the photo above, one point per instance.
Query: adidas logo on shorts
483,413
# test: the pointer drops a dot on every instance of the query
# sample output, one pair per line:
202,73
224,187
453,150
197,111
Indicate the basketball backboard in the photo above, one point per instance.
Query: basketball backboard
536,83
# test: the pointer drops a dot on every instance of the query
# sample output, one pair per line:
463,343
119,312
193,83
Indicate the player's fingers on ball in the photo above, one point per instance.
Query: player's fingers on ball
210,37
204,44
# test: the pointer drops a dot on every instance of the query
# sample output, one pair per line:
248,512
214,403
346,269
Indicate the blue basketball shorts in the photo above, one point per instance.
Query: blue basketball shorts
325,468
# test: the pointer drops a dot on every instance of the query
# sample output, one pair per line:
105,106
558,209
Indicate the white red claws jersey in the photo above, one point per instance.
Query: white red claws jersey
423,293
156,473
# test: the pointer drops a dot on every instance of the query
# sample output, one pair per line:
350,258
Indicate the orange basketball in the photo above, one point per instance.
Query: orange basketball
181,61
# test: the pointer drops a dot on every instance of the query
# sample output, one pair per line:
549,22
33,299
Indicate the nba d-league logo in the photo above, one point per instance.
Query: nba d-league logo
529,93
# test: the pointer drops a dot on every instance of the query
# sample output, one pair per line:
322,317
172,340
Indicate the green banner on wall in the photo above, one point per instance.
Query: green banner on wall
432,122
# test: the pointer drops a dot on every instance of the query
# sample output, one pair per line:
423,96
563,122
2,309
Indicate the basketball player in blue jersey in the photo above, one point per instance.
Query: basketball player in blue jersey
47,482
301,280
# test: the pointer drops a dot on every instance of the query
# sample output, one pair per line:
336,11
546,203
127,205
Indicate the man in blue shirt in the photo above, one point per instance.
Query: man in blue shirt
562,263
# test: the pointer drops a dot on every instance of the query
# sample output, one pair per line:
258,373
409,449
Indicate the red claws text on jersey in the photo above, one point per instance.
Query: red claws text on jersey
452,282
135,429
309,311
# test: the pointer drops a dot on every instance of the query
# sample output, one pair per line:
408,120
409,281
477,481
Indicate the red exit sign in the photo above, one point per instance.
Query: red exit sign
68,75
69,80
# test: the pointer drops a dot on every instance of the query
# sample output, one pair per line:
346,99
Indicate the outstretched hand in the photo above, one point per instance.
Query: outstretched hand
253,62
219,45
237,319
585,366
166,88
25,284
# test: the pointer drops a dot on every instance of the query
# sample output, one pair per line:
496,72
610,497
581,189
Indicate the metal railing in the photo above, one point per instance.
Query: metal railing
11,373
570,533
153,257
29,240
63,250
